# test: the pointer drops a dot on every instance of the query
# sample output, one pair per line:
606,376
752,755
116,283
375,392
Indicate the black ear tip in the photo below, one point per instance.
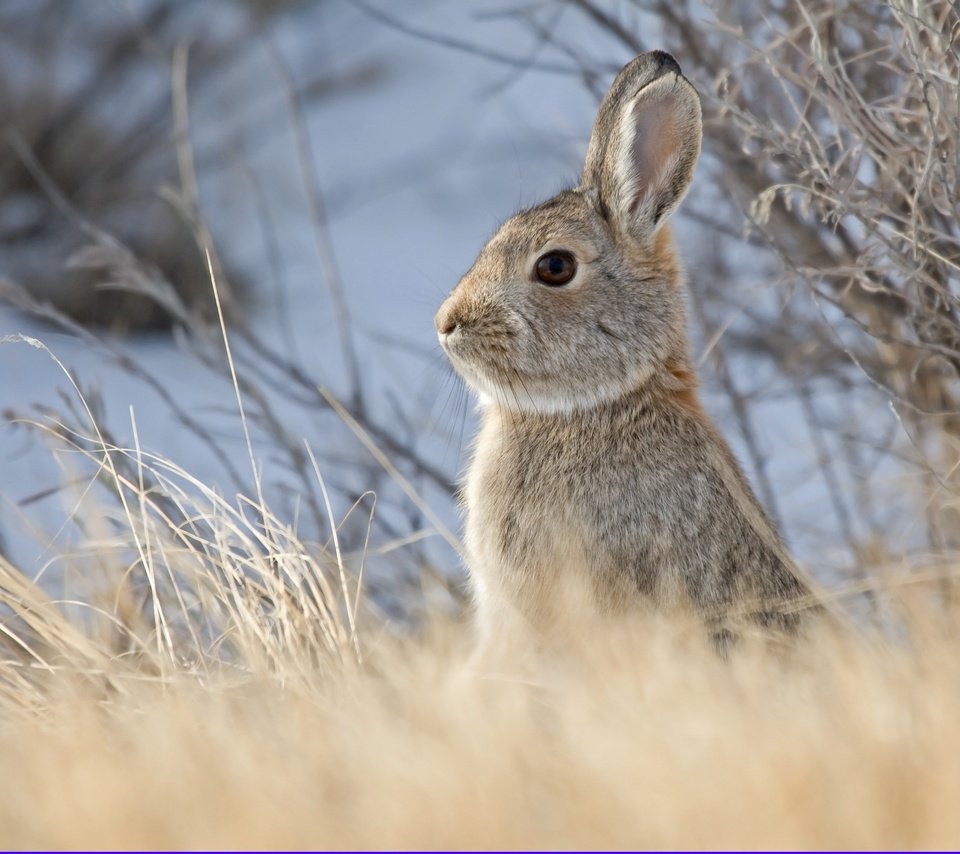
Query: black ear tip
665,62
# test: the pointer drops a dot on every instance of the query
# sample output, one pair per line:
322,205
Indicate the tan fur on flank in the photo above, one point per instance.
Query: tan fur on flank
598,482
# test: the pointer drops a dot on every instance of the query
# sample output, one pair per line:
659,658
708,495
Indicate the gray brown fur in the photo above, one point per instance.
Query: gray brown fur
598,481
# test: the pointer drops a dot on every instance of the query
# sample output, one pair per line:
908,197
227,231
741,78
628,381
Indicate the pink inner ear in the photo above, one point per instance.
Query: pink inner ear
654,144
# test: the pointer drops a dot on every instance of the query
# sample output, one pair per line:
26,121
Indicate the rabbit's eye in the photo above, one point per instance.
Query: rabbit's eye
556,268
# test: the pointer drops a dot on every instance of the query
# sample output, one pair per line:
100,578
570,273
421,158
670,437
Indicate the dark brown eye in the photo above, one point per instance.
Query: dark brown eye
556,268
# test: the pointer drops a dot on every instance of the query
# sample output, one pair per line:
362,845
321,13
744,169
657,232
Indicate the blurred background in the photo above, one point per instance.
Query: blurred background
342,163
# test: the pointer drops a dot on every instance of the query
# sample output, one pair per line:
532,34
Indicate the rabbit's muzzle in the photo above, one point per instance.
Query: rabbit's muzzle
477,334
446,320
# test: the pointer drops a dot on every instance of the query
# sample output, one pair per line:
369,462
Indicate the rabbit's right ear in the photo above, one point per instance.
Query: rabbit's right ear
644,145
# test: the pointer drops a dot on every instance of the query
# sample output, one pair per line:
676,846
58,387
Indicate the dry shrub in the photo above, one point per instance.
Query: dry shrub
71,154
94,132
844,133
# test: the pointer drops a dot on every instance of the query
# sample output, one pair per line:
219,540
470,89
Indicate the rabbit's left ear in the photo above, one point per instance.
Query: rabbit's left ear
645,144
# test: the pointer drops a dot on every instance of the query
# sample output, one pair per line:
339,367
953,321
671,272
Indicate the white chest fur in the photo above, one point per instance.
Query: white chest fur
527,557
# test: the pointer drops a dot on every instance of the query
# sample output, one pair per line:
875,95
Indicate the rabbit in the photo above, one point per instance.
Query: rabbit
597,481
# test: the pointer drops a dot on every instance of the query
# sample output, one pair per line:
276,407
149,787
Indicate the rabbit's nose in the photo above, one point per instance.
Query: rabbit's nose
446,320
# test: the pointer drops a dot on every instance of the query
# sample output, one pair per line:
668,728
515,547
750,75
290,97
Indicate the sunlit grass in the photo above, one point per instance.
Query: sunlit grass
633,735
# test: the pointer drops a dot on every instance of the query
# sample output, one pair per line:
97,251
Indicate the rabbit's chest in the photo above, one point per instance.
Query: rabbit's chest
586,520
524,538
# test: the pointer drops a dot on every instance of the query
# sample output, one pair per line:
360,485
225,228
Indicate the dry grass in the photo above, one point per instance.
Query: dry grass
641,738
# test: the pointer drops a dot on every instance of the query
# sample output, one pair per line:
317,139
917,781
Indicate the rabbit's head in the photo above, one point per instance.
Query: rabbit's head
576,301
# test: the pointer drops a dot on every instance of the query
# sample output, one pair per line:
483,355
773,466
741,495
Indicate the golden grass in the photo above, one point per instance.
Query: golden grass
635,736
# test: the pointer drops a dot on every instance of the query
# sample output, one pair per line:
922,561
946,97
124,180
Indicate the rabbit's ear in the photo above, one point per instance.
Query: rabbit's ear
645,144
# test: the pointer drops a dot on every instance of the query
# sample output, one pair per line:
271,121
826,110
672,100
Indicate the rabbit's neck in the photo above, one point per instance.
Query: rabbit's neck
674,384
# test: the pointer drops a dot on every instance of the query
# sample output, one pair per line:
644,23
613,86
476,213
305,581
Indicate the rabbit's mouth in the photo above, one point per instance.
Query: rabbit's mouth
480,349
469,358
483,362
